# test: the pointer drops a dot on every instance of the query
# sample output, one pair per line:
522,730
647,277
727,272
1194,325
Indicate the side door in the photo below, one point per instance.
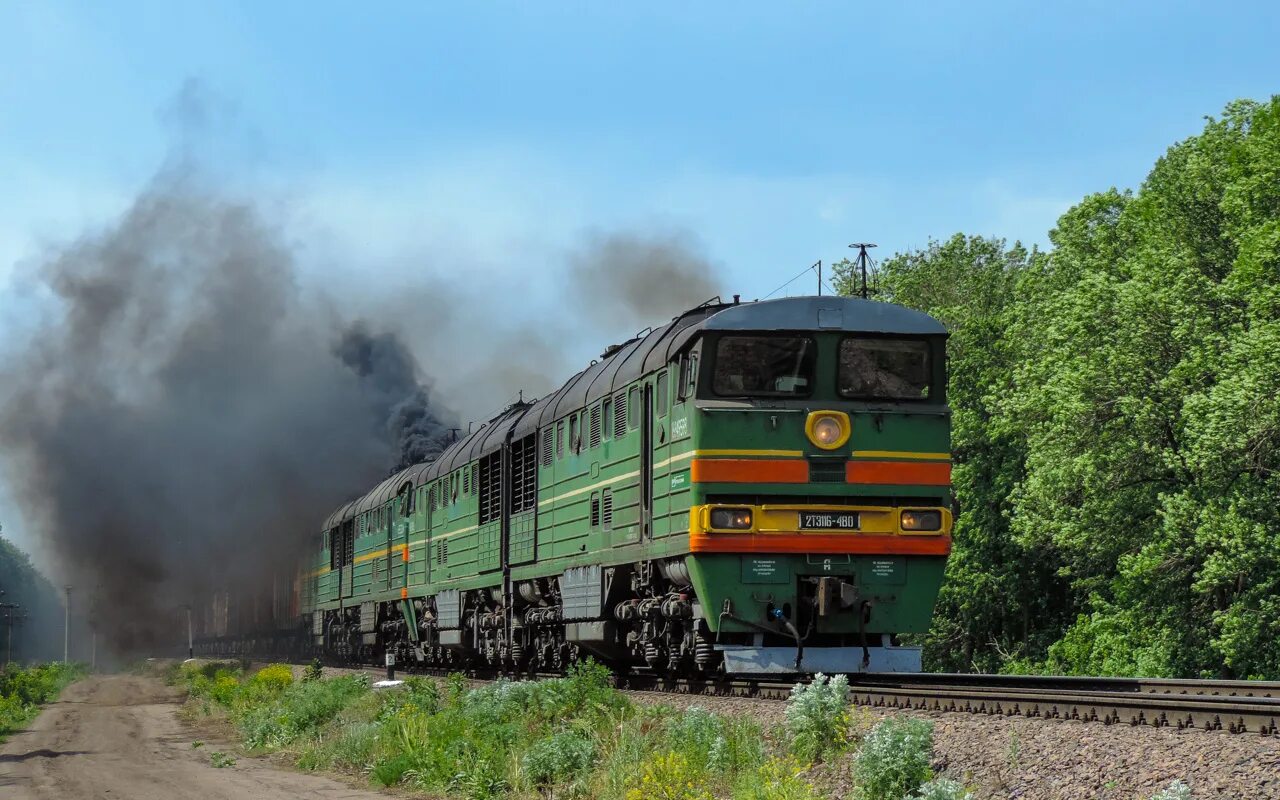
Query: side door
660,453
348,556
646,461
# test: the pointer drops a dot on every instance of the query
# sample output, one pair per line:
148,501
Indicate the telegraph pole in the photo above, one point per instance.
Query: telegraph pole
10,610
861,261
66,628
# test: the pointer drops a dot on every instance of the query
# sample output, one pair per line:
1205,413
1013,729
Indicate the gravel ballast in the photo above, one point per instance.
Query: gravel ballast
1038,759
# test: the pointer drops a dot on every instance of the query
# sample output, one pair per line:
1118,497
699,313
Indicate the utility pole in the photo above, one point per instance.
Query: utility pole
66,628
819,266
861,261
10,610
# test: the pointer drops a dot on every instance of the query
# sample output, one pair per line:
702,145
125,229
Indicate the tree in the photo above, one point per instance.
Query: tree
1116,411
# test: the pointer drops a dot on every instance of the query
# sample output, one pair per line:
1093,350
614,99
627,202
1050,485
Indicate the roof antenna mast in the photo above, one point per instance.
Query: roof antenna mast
861,261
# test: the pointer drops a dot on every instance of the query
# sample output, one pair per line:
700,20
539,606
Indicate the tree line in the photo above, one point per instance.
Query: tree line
1116,437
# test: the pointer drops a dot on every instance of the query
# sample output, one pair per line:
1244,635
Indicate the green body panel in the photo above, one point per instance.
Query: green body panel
901,589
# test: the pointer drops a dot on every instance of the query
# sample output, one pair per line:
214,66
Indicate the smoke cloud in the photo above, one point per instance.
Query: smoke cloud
636,280
187,414
188,411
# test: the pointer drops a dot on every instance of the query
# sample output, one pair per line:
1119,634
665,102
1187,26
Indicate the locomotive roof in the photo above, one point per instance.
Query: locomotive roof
851,314
622,364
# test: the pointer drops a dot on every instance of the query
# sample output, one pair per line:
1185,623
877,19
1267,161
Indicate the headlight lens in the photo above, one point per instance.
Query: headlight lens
731,518
827,431
921,520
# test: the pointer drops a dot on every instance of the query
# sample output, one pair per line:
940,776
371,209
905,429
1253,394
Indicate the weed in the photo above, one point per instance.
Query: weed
894,759
221,760
273,679
24,690
1015,750
313,672
1176,790
300,709
560,757
942,789
391,771
670,777
739,747
695,733
775,779
818,720
197,745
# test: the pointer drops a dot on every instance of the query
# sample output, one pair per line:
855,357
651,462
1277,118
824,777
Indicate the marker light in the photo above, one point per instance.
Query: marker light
828,429
921,520
731,518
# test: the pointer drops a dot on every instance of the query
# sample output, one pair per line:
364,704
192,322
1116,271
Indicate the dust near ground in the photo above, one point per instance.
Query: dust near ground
118,737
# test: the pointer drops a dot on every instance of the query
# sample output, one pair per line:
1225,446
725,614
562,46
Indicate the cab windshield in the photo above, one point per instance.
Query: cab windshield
764,366
884,369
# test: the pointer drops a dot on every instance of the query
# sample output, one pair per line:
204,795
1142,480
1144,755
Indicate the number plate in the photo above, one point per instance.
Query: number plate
828,520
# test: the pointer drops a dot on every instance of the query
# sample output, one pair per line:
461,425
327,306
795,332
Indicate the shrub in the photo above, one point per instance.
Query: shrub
223,689
273,679
391,771
818,718
313,672
300,709
557,758
480,780
417,696
942,789
740,746
894,759
694,733
1174,791
775,779
670,777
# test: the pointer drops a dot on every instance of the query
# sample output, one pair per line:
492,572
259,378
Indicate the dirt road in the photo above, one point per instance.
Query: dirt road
118,737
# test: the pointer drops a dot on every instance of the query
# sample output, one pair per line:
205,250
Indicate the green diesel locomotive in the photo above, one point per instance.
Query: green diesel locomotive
750,488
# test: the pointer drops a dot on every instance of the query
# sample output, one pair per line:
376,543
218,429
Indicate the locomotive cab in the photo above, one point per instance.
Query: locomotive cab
820,516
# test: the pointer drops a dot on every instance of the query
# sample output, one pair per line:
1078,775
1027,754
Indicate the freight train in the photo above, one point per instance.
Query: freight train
753,487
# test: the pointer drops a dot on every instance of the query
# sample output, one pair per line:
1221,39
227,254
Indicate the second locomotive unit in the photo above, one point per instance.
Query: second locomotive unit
751,488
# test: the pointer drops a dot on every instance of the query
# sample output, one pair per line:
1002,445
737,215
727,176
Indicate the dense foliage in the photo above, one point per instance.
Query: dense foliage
40,610
566,737
1117,422
24,690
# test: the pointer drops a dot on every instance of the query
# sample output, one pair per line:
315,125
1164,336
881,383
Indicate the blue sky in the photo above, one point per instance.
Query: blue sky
495,134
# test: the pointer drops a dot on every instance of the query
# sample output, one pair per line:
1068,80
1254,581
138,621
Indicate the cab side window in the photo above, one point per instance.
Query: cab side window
662,393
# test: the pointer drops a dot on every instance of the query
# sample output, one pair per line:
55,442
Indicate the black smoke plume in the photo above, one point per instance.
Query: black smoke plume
186,413
635,280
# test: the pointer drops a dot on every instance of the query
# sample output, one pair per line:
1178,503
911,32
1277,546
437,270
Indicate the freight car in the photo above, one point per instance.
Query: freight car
750,488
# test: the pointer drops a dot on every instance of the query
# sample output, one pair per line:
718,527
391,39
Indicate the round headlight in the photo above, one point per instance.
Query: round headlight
827,431
731,518
921,520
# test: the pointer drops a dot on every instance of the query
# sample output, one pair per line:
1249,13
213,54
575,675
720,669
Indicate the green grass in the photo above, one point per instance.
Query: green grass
571,737
24,689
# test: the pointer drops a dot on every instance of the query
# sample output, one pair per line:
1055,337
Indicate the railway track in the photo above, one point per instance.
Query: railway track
1232,706
1211,705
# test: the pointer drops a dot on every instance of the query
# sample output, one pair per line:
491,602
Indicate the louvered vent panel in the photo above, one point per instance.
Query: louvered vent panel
545,450
595,512
595,426
620,414
524,475
490,487
606,508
